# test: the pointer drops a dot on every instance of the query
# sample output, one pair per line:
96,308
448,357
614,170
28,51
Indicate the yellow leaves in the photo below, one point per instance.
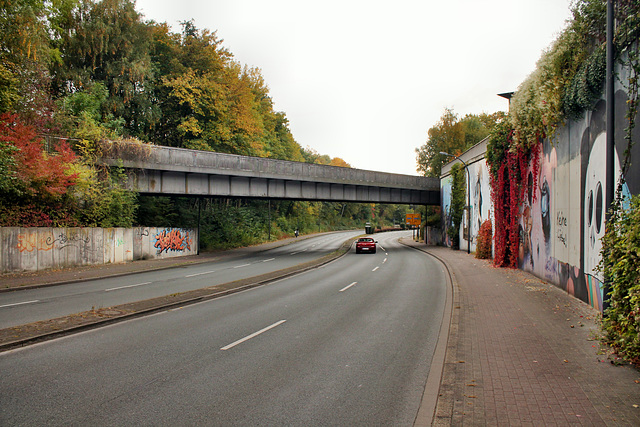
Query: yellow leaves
337,161
190,126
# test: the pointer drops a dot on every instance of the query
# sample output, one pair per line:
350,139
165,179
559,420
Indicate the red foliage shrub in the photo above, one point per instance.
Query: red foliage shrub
485,236
42,175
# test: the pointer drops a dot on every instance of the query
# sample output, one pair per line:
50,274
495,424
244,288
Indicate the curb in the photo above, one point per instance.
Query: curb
33,333
430,397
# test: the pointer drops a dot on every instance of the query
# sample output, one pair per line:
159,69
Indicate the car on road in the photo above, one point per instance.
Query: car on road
366,244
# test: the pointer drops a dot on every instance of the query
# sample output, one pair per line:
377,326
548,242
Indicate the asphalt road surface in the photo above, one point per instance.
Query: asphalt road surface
26,306
349,343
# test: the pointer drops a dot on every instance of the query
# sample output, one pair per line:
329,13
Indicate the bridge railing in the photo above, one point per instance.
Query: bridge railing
153,157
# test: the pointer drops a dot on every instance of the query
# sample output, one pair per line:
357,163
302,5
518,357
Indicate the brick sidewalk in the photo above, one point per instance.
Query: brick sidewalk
523,352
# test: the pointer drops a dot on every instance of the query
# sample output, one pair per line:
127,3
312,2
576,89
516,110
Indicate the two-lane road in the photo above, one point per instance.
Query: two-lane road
26,306
349,343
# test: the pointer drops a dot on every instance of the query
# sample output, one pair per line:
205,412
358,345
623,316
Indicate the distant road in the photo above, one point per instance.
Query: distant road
349,343
26,306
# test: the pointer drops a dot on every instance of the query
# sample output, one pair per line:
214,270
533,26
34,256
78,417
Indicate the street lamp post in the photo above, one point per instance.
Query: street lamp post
468,198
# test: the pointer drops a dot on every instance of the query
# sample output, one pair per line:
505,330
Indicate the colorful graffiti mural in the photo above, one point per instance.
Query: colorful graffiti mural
562,217
175,239
445,202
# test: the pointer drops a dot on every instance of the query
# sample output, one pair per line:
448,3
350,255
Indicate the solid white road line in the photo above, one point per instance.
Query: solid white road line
375,268
253,335
19,303
128,286
347,287
200,274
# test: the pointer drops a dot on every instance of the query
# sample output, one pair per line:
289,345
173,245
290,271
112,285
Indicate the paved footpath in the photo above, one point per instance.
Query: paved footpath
522,352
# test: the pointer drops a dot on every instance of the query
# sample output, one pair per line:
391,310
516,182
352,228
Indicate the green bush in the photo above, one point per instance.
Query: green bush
621,266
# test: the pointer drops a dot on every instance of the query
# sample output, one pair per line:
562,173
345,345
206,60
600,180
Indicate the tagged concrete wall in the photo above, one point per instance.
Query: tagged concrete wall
42,248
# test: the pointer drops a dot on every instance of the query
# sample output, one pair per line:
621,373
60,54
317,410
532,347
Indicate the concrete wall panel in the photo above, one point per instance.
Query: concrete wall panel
219,185
259,187
197,184
42,248
240,186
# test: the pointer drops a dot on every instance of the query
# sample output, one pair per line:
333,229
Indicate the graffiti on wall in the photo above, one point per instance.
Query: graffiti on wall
562,217
480,203
175,240
47,241
445,191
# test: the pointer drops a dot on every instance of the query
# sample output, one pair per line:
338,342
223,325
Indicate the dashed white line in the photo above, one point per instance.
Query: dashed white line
375,268
347,287
19,303
385,260
200,274
267,260
240,266
253,335
128,286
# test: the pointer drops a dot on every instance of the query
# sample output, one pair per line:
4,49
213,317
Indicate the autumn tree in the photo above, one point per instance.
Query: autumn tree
24,57
453,135
106,42
37,182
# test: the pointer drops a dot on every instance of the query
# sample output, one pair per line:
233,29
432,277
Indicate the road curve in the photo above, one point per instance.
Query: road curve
346,344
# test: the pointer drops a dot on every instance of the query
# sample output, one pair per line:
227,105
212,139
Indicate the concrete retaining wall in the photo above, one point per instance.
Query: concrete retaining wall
42,248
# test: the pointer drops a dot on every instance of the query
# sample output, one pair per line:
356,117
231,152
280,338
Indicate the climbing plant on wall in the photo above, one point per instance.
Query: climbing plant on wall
509,166
568,80
457,204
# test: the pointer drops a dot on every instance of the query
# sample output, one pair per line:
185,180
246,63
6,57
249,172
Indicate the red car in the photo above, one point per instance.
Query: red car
366,244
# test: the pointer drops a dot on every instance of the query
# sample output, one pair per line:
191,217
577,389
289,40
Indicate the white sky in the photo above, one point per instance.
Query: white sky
365,80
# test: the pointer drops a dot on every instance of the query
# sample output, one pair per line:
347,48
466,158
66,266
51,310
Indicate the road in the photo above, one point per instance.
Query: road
26,306
349,343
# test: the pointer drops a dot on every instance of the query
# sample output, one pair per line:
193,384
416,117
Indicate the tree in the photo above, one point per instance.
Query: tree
106,42
24,57
452,135
448,136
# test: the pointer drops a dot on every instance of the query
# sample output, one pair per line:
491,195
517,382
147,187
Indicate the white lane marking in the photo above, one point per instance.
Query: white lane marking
375,268
19,303
267,260
240,266
347,287
200,274
128,286
304,250
253,335
385,260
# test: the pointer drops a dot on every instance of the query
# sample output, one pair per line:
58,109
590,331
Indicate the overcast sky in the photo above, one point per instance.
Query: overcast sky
365,80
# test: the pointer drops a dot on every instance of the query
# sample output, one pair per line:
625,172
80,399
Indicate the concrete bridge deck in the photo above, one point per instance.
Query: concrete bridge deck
167,170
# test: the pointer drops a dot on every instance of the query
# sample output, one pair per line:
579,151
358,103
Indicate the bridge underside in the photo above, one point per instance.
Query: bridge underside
199,184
